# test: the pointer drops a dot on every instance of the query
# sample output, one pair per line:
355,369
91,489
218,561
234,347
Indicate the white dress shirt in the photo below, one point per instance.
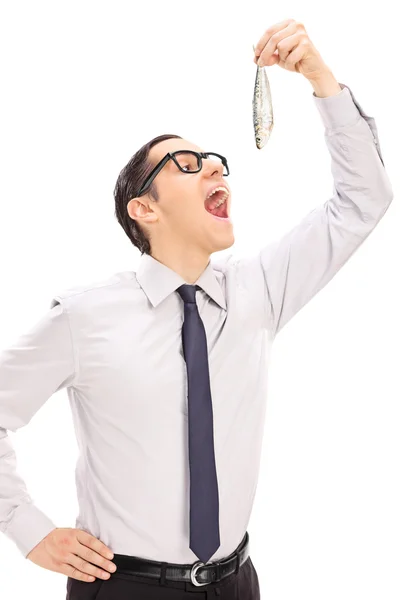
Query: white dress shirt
116,346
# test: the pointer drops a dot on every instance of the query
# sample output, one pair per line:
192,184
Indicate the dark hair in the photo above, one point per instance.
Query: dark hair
127,187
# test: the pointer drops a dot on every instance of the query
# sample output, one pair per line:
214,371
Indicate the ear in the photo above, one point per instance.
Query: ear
140,211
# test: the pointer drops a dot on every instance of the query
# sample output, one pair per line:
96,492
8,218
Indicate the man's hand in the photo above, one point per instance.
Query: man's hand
288,45
71,551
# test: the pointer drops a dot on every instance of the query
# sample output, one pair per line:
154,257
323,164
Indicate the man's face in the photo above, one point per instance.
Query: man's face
180,216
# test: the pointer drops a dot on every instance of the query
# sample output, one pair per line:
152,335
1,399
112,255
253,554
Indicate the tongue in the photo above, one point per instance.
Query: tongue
220,211
212,201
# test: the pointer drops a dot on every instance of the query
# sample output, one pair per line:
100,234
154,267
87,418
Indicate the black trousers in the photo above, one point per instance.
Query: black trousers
242,585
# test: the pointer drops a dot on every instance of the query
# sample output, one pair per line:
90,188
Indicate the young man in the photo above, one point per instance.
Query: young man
166,367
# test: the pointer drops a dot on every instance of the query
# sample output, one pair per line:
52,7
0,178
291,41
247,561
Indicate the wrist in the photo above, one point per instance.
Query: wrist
325,85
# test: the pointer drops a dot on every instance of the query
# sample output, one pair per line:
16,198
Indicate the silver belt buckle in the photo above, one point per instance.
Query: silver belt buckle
193,572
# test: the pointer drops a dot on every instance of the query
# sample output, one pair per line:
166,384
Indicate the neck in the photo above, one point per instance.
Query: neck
189,264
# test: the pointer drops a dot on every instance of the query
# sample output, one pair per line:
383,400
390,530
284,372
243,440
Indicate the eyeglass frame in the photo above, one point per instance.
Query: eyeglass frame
171,155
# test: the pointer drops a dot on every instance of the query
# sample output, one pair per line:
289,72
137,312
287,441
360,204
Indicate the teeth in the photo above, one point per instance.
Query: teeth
223,189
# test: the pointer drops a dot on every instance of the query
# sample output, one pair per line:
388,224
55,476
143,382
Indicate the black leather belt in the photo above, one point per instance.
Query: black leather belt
197,573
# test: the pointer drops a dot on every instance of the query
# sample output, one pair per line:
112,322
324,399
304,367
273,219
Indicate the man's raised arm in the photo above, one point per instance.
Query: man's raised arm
291,270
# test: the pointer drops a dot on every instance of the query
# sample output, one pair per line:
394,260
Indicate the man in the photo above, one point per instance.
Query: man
166,368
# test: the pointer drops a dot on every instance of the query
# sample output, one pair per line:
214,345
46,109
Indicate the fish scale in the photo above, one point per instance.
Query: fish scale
263,116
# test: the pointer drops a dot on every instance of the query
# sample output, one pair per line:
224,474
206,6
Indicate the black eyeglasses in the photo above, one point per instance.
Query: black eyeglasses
187,161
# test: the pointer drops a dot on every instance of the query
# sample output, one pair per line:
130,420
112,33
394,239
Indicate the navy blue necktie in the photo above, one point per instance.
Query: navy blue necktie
204,500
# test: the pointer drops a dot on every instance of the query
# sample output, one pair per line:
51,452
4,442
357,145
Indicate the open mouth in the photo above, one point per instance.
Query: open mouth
216,204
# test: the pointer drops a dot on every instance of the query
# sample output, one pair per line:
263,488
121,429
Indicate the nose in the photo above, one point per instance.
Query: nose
211,167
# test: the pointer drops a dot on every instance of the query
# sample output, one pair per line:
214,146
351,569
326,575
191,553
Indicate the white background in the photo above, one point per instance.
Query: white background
84,85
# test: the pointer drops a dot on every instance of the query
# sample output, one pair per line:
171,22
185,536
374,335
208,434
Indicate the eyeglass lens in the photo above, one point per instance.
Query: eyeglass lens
189,162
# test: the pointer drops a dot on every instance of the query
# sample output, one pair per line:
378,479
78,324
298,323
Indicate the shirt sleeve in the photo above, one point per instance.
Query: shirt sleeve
294,268
37,365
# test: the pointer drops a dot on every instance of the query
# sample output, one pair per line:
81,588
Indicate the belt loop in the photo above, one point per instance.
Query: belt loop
163,573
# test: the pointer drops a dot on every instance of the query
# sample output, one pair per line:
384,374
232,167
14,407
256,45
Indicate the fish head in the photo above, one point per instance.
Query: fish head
262,136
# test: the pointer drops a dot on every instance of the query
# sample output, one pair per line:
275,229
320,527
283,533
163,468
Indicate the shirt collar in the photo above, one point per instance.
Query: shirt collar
158,281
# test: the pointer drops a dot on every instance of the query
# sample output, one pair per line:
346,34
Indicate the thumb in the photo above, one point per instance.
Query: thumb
273,60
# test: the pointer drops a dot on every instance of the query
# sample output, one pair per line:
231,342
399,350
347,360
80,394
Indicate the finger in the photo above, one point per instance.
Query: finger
294,57
92,542
93,557
288,44
71,571
273,41
256,54
272,61
85,567
269,32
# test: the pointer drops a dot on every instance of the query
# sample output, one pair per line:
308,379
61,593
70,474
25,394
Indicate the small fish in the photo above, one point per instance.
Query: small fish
263,117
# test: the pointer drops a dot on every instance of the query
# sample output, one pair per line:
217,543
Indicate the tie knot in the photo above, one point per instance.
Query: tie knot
188,293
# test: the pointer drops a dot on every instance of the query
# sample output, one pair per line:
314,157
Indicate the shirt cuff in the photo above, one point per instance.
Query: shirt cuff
339,110
343,110
28,526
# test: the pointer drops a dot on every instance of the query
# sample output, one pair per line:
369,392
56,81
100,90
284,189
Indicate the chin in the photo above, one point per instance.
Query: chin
224,244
